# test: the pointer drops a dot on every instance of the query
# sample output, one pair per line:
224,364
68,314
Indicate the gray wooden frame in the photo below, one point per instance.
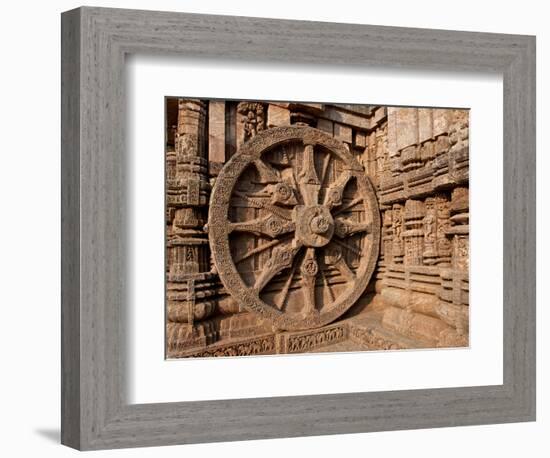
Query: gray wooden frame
95,413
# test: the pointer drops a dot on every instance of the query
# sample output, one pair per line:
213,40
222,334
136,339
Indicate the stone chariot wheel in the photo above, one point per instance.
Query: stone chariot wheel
294,227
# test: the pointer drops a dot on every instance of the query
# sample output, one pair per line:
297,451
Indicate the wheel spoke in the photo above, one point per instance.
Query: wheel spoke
348,247
353,203
344,269
309,270
258,249
258,203
270,226
335,192
282,258
327,285
282,193
324,171
307,178
280,302
266,173
334,258
346,227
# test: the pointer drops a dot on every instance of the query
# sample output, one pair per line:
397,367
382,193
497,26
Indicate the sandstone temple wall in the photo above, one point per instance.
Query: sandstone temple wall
417,160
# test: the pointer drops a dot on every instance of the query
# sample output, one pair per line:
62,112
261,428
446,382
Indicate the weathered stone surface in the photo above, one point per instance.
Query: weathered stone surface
425,124
441,120
342,133
360,139
325,125
330,228
406,126
216,133
277,116
342,114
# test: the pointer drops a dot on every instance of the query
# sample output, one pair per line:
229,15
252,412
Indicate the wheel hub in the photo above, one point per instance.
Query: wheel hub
314,225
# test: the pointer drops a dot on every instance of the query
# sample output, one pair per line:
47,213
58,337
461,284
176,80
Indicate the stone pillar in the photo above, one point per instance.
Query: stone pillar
454,292
188,276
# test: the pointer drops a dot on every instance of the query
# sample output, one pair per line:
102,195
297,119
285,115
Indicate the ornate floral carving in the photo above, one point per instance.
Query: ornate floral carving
261,346
307,342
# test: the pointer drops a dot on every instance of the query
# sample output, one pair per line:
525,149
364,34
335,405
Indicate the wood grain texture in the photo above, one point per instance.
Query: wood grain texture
70,229
95,412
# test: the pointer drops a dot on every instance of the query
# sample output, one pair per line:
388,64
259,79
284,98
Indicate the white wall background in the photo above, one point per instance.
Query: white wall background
30,228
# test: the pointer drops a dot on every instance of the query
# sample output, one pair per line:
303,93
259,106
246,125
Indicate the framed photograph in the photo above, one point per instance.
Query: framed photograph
277,228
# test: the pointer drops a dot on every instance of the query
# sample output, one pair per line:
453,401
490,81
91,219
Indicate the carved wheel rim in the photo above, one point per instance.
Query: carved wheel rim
317,227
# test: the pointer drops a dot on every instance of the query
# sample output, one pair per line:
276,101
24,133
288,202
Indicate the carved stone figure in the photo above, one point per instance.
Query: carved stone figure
252,119
430,252
397,229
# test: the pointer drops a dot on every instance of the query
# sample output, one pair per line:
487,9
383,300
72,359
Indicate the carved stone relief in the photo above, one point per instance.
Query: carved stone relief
252,119
305,227
315,218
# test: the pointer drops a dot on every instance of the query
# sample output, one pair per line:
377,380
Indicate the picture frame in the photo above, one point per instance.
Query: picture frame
95,410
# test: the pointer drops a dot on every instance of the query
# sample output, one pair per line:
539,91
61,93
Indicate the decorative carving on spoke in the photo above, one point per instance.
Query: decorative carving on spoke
294,227
270,225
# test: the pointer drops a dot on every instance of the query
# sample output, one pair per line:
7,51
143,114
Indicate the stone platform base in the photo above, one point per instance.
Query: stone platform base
362,332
